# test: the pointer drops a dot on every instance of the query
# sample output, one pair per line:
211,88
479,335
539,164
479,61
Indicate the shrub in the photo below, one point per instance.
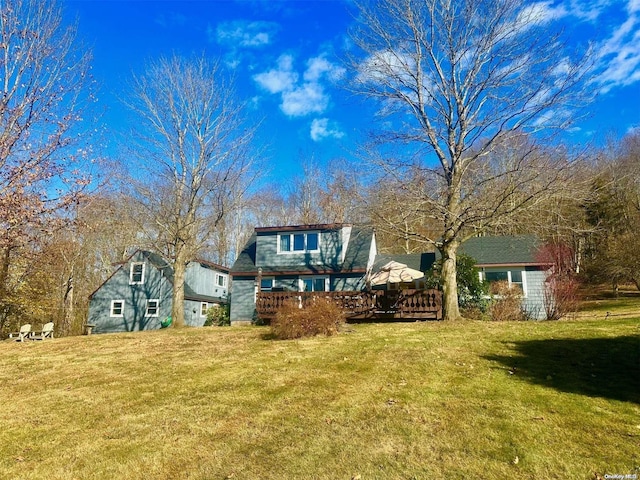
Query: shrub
218,316
560,296
321,316
472,292
561,285
506,303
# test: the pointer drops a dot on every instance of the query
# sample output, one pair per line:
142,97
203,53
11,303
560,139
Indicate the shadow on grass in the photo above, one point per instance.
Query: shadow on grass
596,367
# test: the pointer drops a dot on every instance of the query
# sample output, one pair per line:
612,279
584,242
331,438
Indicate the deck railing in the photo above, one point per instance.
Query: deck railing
368,304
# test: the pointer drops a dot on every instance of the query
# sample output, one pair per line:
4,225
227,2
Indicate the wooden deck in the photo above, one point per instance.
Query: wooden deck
375,304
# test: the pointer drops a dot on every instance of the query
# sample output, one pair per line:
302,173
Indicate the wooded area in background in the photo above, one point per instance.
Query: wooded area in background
69,216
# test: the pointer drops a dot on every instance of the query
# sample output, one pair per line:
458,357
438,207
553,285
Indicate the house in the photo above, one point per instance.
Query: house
514,259
138,295
324,257
343,257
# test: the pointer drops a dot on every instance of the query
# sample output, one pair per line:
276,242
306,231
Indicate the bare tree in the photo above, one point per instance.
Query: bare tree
468,88
43,83
613,212
194,158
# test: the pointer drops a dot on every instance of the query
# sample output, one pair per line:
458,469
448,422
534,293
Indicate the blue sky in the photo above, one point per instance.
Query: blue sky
286,56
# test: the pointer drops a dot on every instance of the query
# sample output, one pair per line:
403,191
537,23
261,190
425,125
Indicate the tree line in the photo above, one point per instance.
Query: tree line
467,146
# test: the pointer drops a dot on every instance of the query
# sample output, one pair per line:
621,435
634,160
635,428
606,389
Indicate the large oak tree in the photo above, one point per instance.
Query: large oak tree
468,89
194,158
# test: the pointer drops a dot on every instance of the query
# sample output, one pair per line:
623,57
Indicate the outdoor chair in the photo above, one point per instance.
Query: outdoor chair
46,332
24,332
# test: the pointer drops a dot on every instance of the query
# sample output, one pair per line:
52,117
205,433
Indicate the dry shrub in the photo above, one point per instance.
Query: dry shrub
506,303
560,296
321,316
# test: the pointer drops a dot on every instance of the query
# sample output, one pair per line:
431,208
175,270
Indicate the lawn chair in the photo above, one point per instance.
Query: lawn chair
24,332
46,332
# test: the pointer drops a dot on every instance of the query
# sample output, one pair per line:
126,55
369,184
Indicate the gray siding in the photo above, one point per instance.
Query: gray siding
534,302
192,314
202,280
328,256
243,305
135,298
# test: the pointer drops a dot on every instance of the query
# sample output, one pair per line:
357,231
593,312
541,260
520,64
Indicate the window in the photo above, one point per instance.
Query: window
298,242
266,284
204,306
136,274
117,308
285,243
515,278
221,280
152,308
314,284
496,276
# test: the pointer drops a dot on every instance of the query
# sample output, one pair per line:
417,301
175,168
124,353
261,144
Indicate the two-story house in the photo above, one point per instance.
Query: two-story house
325,257
138,295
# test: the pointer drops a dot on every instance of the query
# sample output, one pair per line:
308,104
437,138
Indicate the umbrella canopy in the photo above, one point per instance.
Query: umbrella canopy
395,272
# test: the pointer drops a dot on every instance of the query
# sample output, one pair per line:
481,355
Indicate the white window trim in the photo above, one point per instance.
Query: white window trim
146,312
121,314
204,306
483,277
144,268
224,280
294,252
327,285
273,282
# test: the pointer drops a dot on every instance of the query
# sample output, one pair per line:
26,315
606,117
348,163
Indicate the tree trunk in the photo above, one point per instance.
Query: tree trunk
449,282
177,307
68,305
5,256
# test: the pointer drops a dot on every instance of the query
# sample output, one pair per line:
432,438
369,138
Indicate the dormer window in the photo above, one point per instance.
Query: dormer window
301,242
136,273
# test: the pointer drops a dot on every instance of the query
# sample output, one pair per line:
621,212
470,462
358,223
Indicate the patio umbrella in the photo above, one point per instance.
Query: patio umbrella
395,272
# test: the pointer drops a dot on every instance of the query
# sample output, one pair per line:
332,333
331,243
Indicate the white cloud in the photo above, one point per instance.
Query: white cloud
387,66
541,13
300,98
279,79
619,55
244,33
303,100
320,129
318,67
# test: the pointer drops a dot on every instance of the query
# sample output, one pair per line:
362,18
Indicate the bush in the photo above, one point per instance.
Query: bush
218,316
506,303
320,317
472,292
560,296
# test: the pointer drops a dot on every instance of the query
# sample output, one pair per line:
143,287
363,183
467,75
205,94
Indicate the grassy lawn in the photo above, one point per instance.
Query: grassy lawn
409,400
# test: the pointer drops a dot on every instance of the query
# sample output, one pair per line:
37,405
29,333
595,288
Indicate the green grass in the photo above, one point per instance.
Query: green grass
531,400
